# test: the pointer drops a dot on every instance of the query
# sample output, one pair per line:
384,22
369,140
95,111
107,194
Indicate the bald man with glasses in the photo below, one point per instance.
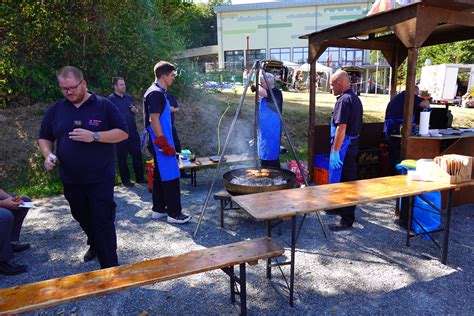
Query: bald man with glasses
84,128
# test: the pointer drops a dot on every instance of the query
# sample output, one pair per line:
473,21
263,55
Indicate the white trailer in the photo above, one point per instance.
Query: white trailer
441,81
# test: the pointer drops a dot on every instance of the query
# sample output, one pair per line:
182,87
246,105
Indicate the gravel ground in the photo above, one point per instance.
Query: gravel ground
367,270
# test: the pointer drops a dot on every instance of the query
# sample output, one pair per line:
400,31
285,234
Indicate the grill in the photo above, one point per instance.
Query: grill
255,180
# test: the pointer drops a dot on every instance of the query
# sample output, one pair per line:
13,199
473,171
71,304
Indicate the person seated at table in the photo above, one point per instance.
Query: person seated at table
12,214
394,121
269,123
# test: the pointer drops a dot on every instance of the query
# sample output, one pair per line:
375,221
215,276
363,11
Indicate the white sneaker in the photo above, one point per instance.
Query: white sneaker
158,215
180,219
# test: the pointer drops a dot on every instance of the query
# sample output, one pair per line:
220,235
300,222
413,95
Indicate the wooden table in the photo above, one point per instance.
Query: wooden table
288,204
206,162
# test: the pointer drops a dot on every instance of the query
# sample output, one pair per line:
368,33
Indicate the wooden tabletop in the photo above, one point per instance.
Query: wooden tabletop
291,202
205,161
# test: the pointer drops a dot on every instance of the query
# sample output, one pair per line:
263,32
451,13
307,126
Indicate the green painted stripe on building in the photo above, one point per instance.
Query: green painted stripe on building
274,26
345,17
235,32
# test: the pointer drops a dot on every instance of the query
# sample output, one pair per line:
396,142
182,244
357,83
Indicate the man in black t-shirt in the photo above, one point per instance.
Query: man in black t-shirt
126,105
85,128
346,125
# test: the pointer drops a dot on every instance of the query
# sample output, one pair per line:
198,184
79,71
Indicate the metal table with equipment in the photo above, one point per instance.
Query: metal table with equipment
288,204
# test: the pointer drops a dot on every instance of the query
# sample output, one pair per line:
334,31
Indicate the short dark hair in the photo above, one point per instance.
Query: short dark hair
163,68
70,70
116,79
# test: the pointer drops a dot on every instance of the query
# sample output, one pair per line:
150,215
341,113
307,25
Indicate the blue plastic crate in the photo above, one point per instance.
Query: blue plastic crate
321,161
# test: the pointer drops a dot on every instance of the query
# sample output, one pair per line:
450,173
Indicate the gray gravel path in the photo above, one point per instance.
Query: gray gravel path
367,270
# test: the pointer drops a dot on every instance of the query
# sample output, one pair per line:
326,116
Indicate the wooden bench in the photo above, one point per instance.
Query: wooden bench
206,162
29,297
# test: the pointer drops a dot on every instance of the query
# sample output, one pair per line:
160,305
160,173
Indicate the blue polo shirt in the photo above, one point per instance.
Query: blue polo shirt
123,104
79,162
395,107
348,110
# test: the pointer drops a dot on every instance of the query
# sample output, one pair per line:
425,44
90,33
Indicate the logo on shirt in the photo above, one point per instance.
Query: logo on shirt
94,122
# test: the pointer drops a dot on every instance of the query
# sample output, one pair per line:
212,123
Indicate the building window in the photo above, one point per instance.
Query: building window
353,57
256,54
330,58
281,54
234,59
300,55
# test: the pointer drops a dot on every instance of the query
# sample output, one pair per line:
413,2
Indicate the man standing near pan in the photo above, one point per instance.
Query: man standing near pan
346,124
269,122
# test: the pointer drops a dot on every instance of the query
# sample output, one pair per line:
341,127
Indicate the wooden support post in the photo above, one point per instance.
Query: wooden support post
312,117
409,99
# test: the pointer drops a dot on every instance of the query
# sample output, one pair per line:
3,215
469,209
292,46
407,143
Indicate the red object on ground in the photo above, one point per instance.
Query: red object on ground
149,165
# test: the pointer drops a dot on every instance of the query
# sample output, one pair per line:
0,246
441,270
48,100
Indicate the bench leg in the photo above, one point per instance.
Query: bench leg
410,217
269,260
222,213
447,224
243,290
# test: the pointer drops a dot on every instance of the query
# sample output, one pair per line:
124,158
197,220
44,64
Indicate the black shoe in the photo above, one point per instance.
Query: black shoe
340,226
11,268
142,181
20,247
91,254
180,219
128,184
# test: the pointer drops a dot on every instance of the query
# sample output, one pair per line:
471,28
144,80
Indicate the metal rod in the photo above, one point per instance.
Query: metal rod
232,126
295,154
255,123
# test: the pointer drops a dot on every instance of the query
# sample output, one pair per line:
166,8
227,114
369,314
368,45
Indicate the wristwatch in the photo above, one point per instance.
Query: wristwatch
96,136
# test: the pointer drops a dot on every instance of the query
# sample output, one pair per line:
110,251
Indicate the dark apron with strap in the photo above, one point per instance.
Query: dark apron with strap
335,174
270,129
167,165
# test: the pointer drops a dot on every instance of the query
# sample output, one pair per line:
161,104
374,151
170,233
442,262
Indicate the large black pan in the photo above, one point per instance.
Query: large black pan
237,189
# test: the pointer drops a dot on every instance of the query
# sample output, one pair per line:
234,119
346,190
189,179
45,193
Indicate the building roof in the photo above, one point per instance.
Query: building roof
282,4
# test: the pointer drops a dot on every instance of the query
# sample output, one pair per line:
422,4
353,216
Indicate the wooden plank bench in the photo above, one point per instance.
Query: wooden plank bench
30,297
206,162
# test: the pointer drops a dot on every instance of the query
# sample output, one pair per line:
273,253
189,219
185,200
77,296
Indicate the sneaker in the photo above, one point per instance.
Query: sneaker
158,215
180,219
128,184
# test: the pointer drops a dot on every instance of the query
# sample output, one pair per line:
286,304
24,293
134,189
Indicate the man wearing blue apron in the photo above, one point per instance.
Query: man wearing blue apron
166,189
269,123
346,124
394,121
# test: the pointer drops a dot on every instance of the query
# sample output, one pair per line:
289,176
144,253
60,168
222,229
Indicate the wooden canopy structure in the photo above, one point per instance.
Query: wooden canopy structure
398,34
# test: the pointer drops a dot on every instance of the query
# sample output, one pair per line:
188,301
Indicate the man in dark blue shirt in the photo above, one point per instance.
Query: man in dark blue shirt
157,111
346,124
125,104
85,128
394,120
174,107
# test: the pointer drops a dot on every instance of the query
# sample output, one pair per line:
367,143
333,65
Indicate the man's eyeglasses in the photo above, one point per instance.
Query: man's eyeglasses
67,89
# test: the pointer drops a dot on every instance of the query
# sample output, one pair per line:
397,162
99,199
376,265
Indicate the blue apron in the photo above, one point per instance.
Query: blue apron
167,165
335,174
269,136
